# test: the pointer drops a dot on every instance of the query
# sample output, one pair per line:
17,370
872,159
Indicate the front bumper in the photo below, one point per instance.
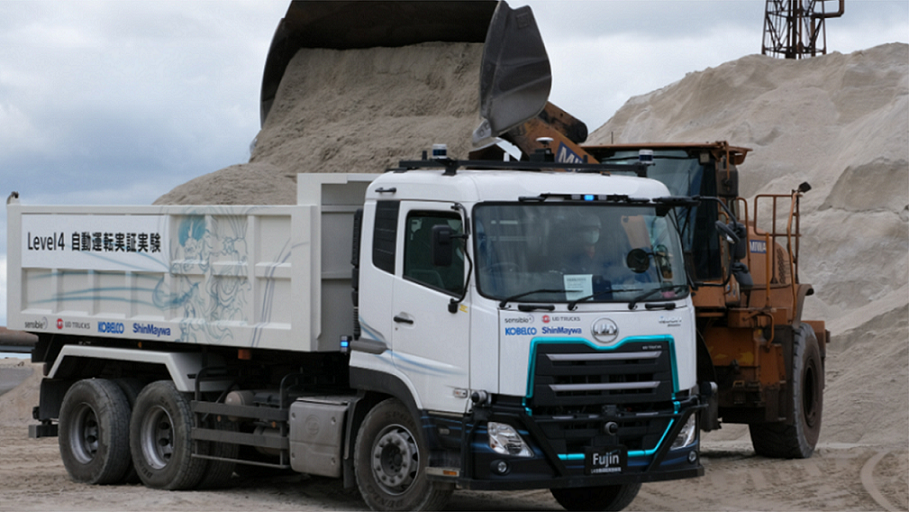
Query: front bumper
481,468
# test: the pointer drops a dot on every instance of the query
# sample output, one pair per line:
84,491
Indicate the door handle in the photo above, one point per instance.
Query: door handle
401,320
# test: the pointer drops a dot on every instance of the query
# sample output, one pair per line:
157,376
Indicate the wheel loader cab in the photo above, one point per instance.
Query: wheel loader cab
690,170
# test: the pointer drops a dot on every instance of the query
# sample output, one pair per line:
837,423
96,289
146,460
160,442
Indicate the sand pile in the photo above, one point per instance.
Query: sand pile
16,405
841,123
351,111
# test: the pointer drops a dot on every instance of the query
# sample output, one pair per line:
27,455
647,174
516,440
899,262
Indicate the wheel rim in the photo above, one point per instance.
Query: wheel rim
84,434
395,459
157,437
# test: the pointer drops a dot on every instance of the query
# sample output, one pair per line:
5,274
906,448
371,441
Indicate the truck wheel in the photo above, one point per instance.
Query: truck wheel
131,389
797,441
160,439
94,432
218,473
607,497
390,459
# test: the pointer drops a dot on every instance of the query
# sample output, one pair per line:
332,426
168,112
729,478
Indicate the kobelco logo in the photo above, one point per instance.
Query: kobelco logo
605,330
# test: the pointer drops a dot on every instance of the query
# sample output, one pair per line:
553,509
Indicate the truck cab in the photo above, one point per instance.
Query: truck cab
556,339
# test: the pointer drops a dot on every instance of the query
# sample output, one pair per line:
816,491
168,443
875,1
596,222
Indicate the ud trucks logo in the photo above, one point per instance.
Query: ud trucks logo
37,324
69,324
560,318
605,330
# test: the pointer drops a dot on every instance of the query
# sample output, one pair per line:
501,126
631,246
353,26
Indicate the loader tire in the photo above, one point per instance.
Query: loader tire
390,460
797,441
94,432
606,497
160,439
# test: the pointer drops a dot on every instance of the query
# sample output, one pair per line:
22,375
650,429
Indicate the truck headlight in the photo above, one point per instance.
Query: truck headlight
688,434
504,439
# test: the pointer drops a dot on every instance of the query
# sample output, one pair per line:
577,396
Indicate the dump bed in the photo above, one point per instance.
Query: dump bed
273,277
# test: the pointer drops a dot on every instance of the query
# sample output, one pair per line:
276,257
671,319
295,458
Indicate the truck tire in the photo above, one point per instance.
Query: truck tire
797,441
219,472
390,459
94,432
607,497
160,439
131,388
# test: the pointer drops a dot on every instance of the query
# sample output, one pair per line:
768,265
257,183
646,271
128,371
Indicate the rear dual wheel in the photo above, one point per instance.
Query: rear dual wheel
94,432
160,439
162,446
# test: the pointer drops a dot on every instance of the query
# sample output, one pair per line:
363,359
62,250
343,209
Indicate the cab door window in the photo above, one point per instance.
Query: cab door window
418,265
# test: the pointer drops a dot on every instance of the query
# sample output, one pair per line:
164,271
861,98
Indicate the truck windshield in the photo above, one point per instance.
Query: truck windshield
565,252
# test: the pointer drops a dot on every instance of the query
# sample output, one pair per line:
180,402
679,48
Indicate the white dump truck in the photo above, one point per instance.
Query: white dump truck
412,332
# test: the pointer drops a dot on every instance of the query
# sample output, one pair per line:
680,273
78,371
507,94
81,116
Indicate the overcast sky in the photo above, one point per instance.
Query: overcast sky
117,102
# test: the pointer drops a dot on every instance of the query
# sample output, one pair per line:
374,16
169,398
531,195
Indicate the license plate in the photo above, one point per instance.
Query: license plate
605,459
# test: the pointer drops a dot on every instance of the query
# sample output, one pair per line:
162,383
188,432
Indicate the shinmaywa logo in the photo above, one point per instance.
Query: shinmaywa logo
151,329
561,330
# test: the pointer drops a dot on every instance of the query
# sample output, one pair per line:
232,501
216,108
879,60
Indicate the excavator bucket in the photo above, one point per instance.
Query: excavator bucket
515,78
346,25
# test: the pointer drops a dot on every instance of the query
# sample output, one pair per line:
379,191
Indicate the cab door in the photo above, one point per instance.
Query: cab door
430,344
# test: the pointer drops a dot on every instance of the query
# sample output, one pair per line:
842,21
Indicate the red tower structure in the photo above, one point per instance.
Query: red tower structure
794,29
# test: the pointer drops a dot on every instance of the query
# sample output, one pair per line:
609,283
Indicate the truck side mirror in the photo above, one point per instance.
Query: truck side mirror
638,261
442,247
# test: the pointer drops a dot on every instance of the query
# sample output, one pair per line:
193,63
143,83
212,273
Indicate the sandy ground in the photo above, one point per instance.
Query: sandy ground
840,476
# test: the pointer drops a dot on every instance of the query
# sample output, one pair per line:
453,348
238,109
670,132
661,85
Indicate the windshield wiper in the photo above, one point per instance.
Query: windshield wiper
573,304
505,301
639,298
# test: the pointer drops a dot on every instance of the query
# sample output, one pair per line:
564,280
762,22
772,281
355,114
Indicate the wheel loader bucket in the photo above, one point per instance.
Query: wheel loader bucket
346,25
515,78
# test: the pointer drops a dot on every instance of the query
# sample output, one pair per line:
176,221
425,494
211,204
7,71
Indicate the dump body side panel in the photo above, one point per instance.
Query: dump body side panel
237,276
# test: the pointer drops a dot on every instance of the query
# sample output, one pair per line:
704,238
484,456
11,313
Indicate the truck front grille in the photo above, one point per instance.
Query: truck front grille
576,388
